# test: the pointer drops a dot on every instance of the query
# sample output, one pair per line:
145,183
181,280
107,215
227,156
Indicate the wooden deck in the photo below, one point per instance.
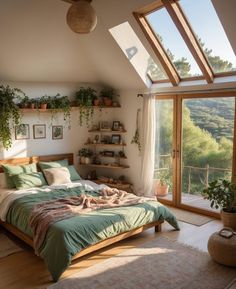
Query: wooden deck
196,201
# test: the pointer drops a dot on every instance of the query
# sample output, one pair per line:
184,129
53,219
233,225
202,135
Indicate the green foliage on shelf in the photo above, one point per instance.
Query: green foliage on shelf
84,100
84,152
9,112
108,92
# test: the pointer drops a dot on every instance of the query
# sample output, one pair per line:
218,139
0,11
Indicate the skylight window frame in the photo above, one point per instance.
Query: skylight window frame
184,27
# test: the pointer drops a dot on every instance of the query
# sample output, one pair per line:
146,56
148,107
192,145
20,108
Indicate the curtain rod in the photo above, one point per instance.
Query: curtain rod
189,91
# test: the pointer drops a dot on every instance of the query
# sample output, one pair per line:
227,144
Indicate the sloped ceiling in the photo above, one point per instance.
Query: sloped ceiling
36,45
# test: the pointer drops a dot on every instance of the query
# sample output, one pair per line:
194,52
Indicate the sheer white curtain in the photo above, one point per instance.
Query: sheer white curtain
148,145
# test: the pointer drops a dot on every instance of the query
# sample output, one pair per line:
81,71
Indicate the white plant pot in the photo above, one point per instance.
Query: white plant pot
87,161
82,160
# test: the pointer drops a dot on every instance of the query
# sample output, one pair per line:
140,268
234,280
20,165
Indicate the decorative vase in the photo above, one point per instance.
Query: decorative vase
228,219
107,101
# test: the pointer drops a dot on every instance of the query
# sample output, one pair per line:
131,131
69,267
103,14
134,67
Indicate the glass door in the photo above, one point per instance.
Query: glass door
164,177
206,140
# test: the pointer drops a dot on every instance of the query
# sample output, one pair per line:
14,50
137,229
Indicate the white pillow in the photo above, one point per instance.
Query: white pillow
57,176
3,181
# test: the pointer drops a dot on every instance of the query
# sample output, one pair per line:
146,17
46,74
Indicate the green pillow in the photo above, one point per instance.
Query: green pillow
56,164
74,176
11,170
27,181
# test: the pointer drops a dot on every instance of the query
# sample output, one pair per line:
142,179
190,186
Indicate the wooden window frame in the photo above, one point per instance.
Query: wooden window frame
177,144
186,31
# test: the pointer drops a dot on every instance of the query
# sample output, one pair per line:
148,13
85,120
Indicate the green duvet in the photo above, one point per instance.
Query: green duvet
67,237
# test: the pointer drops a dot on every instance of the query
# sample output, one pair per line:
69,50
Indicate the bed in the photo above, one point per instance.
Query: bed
70,238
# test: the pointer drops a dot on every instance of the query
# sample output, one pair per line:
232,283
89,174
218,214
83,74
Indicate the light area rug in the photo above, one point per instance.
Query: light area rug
7,247
158,264
189,217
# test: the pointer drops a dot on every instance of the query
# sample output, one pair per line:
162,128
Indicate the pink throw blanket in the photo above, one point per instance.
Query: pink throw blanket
47,213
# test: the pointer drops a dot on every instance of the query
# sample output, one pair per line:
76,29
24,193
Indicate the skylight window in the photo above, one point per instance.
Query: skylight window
137,54
173,43
210,33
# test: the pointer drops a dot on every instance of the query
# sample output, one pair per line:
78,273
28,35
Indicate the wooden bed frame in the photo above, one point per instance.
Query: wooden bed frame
90,249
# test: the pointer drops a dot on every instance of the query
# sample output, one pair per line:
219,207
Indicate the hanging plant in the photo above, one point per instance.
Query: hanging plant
84,99
59,103
136,138
9,112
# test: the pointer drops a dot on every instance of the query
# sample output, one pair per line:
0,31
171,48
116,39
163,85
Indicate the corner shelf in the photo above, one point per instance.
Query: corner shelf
105,166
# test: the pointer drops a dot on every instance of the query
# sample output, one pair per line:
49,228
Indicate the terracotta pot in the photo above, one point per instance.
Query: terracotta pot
107,101
24,105
96,102
32,105
161,190
228,219
43,105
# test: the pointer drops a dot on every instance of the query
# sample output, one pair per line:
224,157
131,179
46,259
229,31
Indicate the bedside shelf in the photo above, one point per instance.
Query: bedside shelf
105,166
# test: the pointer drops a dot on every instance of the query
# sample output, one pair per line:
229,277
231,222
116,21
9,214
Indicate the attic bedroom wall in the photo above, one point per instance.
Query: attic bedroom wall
74,139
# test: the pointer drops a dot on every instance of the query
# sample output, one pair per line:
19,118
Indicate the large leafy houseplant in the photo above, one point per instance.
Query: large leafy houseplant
108,94
84,99
9,112
222,194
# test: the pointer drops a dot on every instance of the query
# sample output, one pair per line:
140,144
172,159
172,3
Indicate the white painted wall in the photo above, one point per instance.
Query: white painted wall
74,139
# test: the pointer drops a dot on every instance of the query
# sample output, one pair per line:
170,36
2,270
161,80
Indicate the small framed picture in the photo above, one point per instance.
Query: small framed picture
105,139
116,125
39,131
104,126
22,131
115,139
57,132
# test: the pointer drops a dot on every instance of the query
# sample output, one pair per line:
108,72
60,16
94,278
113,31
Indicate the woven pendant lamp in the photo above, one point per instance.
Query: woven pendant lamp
81,17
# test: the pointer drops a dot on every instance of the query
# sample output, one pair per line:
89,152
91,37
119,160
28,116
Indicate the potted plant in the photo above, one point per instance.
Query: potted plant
24,102
97,101
10,112
84,99
161,185
222,194
43,101
85,156
60,103
108,94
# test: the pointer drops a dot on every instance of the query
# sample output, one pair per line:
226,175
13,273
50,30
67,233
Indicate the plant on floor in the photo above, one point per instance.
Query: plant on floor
84,99
222,194
10,112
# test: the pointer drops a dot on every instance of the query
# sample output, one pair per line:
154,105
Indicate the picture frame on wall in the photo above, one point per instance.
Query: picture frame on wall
22,131
39,131
57,132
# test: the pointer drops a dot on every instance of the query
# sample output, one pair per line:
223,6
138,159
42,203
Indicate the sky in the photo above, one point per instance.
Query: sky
205,23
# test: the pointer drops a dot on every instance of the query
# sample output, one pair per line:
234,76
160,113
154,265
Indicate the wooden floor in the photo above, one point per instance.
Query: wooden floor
24,270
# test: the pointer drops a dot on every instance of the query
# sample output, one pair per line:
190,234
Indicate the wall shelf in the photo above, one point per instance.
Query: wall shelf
105,166
104,144
107,131
33,110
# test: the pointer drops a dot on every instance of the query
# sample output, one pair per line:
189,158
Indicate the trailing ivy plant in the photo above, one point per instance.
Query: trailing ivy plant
84,99
60,103
9,113
136,138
